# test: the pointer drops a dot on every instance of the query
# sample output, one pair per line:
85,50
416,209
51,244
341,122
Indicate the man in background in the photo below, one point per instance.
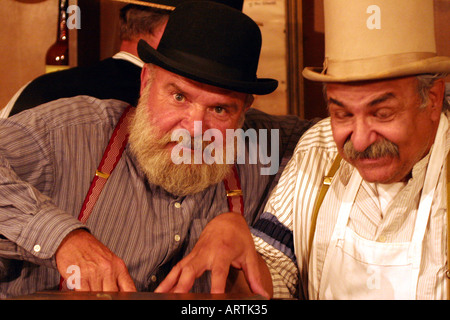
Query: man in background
113,78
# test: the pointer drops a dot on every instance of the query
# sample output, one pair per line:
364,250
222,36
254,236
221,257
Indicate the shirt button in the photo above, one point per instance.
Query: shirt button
177,237
153,278
37,248
177,205
382,238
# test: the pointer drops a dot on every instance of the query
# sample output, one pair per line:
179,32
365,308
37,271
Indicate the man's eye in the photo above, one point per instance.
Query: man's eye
179,97
384,114
342,115
219,109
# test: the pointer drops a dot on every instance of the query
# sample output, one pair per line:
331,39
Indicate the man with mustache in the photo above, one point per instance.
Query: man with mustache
360,211
56,158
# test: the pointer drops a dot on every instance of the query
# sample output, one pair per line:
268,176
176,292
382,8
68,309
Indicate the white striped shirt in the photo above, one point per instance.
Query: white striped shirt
289,211
48,157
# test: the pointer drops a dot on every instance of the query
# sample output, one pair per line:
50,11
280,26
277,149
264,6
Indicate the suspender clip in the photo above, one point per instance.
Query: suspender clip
101,174
327,180
234,193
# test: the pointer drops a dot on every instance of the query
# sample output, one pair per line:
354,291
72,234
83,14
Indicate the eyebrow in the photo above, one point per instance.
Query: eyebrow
372,103
381,99
174,87
334,101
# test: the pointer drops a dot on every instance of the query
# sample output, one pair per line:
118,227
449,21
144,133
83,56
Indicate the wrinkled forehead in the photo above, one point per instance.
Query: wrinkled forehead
370,92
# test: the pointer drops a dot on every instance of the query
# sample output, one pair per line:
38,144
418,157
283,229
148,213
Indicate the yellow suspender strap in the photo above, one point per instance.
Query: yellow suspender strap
448,227
323,191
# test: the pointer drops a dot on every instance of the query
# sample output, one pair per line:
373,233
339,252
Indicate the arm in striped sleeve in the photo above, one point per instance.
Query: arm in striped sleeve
282,234
273,236
31,226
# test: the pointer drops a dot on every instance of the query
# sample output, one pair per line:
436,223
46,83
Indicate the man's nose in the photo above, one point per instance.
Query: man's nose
362,135
195,120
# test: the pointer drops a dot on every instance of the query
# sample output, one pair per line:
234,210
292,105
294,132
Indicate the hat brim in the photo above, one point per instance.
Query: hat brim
437,64
204,75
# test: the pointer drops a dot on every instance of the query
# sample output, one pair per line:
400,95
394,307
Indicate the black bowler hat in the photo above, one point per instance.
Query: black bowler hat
213,44
171,4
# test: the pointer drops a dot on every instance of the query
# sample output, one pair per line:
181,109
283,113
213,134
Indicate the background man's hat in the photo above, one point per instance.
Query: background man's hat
171,4
211,43
378,39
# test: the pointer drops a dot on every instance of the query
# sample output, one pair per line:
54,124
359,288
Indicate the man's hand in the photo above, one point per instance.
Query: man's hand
101,270
225,242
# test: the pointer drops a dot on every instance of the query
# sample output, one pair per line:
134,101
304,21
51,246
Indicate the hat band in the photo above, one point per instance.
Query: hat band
358,67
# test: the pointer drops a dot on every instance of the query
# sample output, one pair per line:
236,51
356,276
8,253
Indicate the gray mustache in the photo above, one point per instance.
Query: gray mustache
379,149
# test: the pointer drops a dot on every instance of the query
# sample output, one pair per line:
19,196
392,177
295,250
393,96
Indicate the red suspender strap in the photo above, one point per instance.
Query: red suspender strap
234,192
110,158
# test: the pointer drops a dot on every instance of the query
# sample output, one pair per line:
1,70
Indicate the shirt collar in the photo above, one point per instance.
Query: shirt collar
129,57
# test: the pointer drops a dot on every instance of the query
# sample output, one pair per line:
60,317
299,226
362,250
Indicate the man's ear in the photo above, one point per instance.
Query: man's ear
249,101
144,78
436,97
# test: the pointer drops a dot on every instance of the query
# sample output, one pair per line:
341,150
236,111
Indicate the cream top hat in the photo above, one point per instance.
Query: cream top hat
377,39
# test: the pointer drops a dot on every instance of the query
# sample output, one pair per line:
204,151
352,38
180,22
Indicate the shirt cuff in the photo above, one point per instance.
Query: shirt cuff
43,234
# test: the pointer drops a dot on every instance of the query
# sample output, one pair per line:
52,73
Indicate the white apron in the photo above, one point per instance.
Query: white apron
357,268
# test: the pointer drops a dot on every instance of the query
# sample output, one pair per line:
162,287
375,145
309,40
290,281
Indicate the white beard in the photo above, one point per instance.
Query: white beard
154,157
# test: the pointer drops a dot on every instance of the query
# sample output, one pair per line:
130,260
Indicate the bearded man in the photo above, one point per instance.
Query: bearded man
150,211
